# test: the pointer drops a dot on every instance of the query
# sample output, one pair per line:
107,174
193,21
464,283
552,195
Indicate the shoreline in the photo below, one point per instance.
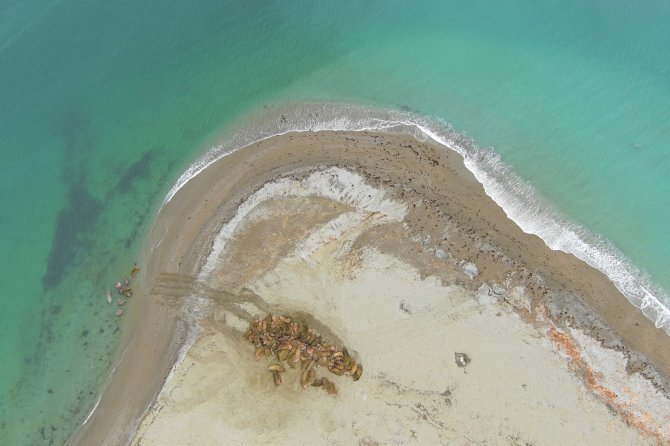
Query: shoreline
522,204
212,197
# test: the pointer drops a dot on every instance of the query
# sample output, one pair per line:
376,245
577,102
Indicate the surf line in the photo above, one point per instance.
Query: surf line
543,222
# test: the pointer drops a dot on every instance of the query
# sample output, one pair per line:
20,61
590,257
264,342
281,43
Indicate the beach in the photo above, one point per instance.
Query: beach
388,246
109,111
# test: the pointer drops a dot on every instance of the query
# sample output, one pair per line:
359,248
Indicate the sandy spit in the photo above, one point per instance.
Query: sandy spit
419,267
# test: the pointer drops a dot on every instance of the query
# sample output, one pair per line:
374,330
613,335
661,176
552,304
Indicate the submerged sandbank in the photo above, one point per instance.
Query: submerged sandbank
419,266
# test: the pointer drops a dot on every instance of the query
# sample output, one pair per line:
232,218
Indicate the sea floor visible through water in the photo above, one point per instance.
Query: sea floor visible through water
106,104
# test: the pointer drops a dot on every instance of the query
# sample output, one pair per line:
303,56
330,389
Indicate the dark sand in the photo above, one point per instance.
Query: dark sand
561,291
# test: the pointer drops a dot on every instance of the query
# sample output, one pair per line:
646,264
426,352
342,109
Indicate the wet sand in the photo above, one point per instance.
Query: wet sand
398,253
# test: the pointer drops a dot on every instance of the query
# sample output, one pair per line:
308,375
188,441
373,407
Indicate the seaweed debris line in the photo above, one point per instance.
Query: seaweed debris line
471,330
295,343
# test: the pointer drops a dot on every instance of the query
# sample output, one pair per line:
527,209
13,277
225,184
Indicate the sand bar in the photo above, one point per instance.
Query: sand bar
420,266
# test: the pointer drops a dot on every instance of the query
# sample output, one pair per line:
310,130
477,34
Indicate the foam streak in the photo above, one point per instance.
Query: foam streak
517,198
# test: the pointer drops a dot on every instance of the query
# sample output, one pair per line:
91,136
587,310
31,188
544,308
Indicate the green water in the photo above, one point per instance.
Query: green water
103,105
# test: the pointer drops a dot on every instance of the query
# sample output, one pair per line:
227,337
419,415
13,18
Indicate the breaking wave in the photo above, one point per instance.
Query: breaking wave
517,198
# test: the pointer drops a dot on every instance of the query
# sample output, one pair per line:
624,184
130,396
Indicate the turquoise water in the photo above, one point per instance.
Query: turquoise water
105,104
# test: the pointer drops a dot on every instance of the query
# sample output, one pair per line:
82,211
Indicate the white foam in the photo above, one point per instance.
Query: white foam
517,198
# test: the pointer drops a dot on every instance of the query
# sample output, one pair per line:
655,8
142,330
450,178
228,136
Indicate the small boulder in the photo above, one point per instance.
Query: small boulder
470,270
441,254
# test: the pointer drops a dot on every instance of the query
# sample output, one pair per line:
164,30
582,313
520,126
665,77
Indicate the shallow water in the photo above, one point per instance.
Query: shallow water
105,104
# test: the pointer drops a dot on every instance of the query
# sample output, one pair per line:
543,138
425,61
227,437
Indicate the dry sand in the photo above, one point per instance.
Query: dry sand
390,247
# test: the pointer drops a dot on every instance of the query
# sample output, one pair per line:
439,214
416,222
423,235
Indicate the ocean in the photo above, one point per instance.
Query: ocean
105,105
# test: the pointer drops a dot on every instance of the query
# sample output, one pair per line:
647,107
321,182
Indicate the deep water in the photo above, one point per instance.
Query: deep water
105,104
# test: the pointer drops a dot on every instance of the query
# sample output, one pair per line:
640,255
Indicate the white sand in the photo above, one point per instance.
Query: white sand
516,388
399,255
405,329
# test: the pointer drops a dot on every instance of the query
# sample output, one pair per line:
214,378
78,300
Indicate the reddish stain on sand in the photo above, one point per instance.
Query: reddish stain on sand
642,422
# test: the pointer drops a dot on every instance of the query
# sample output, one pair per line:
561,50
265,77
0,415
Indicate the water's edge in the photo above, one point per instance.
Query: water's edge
517,198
